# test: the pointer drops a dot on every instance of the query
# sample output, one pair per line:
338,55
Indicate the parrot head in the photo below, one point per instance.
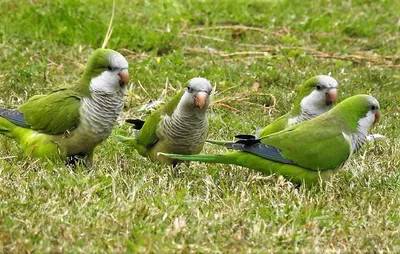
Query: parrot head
318,94
356,115
361,112
106,71
197,94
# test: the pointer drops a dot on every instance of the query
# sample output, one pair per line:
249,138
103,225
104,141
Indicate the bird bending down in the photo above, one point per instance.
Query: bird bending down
307,152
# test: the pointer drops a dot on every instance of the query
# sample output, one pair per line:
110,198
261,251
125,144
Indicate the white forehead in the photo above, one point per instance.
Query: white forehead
200,84
118,61
372,100
327,81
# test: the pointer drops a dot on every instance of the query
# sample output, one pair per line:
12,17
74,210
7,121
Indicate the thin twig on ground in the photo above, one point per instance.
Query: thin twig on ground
243,98
383,61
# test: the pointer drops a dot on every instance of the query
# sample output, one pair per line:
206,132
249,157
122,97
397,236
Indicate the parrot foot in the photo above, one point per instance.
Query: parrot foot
78,159
178,168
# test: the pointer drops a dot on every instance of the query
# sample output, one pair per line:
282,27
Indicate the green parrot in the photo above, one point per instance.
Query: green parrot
308,151
180,126
68,123
316,96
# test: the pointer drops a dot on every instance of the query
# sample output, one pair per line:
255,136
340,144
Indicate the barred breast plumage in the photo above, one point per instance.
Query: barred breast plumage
98,115
185,133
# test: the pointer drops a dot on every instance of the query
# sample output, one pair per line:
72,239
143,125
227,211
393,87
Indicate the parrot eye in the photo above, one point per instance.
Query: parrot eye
190,90
373,107
109,68
318,87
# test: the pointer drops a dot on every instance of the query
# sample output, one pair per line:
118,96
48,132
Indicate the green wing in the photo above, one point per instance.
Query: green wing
316,146
54,113
148,134
277,125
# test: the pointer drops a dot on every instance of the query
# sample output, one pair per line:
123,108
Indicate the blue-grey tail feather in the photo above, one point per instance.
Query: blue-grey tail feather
14,116
254,146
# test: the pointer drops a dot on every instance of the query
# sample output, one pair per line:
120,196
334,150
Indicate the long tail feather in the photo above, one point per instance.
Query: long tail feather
6,127
294,173
219,142
209,158
243,139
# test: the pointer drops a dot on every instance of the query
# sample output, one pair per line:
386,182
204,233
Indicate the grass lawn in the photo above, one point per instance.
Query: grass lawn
247,49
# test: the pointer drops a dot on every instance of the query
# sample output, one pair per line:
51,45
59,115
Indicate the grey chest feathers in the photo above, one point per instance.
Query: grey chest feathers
184,134
97,119
101,112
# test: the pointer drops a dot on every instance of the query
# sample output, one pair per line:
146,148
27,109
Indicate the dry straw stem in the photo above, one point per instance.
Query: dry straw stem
378,60
243,99
359,57
133,55
109,29
229,27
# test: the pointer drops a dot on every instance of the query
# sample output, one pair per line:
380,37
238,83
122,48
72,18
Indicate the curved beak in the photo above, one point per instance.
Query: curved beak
377,117
331,96
200,99
124,75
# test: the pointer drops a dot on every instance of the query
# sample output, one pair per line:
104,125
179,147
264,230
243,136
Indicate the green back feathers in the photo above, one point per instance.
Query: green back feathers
277,125
96,64
170,107
312,153
148,134
54,113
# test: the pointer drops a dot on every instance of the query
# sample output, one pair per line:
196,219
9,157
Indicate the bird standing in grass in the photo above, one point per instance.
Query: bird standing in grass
70,122
306,152
180,126
316,96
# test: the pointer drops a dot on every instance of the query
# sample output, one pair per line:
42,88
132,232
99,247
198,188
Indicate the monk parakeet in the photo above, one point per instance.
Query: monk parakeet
307,151
71,122
316,96
180,126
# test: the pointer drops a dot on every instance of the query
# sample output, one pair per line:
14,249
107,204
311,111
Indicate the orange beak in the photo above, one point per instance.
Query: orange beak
200,99
331,96
377,117
124,75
